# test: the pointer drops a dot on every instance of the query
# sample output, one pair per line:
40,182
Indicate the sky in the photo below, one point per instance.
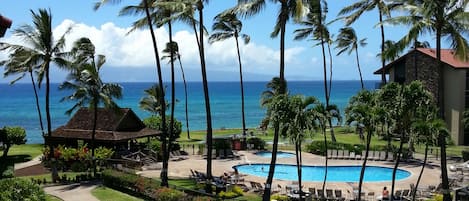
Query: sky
130,56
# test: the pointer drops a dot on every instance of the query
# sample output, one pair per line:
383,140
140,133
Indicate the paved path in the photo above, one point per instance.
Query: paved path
73,192
34,161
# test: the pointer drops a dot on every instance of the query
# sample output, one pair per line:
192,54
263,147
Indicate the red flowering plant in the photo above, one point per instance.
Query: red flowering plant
76,159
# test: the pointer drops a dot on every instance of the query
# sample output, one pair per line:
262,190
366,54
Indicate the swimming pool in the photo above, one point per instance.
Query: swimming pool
316,173
280,154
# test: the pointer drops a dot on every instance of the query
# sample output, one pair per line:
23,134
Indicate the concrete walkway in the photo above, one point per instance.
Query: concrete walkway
34,161
73,192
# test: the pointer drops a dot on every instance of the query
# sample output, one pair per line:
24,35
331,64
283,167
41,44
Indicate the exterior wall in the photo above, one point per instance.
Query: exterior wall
427,71
454,87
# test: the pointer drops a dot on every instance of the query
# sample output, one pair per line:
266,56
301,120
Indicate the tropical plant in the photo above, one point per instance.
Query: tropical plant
38,42
288,9
227,25
356,10
18,62
362,110
21,189
88,88
347,40
320,117
173,47
299,122
146,6
151,101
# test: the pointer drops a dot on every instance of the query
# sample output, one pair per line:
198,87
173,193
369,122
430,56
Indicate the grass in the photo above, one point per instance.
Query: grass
52,198
31,150
108,194
48,177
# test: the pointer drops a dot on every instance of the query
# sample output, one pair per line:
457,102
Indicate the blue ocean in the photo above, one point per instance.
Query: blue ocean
19,109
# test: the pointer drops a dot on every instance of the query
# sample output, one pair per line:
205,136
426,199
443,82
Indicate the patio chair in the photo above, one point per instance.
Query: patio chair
178,154
352,155
334,154
371,196
390,156
374,155
329,153
358,157
338,195
382,155
173,157
254,187
363,154
398,195
346,154
329,194
340,154
320,193
312,192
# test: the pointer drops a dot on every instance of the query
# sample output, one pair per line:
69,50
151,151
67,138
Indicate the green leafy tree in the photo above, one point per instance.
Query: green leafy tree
320,116
10,136
347,40
362,110
88,88
226,26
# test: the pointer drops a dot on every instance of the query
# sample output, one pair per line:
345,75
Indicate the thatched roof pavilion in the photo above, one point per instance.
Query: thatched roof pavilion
113,128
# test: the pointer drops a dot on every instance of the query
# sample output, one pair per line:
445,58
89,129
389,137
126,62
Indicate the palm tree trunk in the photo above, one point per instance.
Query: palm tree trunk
208,186
414,191
242,90
383,61
359,69
329,91
55,174
270,176
362,171
164,171
298,166
93,135
396,164
173,95
37,102
185,97
326,162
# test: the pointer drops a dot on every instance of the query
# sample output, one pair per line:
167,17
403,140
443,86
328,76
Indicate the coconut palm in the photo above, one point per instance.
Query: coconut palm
226,26
146,6
347,40
87,86
288,9
427,130
299,122
151,101
316,27
177,55
39,41
18,63
321,117
356,10
362,110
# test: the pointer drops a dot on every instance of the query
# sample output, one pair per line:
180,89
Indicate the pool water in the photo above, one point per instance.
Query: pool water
316,173
280,154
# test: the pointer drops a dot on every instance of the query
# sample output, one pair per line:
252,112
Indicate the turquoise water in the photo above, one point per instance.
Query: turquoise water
316,173
19,109
280,154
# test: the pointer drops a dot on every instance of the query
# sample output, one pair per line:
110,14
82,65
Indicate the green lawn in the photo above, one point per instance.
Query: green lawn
108,194
32,150
49,178
52,198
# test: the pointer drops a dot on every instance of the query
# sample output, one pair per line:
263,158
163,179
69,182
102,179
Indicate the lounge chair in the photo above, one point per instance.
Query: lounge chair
374,155
312,192
390,156
329,194
178,154
329,153
382,155
371,196
338,195
352,155
363,154
173,157
320,193
346,154
334,154
340,154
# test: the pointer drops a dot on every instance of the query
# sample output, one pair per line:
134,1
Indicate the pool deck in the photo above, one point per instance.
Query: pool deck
181,169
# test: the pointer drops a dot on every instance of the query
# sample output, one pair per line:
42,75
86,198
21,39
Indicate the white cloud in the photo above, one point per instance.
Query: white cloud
123,49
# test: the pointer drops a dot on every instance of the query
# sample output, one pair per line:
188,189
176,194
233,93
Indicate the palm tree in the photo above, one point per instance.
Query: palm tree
151,101
320,117
173,47
317,28
297,121
362,110
145,5
427,131
39,42
17,63
347,40
358,8
89,89
227,25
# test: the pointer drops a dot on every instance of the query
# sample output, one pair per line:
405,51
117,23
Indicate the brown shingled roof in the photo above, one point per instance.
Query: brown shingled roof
111,125
447,56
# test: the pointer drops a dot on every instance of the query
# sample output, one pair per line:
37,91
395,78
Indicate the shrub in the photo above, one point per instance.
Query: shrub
317,147
19,189
279,197
465,155
168,194
227,195
257,142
